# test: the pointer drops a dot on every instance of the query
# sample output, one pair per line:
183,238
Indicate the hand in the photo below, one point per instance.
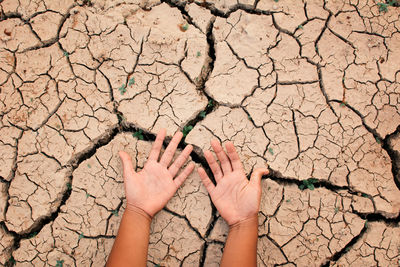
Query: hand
235,197
152,187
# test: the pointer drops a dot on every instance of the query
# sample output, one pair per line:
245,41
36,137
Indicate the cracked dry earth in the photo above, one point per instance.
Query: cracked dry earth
311,88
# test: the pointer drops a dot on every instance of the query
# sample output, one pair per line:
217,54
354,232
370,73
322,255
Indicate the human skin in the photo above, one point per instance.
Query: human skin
237,200
147,192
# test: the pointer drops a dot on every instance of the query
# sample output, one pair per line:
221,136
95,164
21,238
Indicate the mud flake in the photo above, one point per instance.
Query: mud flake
380,243
17,35
46,25
150,112
7,155
237,79
233,125
292,15
301,234
200,16
175,244
213,255
268,253
40,182
6,242
288,64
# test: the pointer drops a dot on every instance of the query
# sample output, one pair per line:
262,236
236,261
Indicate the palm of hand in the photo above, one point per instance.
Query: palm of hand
151,188
236,198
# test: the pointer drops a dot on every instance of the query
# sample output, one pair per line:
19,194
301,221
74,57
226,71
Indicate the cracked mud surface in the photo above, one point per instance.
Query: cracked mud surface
311,88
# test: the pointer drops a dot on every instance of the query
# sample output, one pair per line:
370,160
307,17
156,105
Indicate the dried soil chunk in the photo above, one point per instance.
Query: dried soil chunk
311,226
272,196
364,58
6,242
345,23
362,204
3,200
389,67
155,92
82,214
46,25
55,244
219,231
230,80
308,34
371,171
290,67
8,149
31,101
213,255
16,35
234,125
247,40
335,6
375,103
36,191
200,16
7,155
309,139
337,56
83,117
28,9
268,254
192,201
161,98
172,240
241,56
224,6
289,115
291,13
379,22
379,245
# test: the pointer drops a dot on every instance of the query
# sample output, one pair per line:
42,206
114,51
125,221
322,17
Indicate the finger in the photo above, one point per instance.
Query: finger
171,148
223,159
184,174
206,180
233,156
214,166
127,165
257,174
178,163
156,148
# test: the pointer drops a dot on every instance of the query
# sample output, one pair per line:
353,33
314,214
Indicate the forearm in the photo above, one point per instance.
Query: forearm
132,241
241,244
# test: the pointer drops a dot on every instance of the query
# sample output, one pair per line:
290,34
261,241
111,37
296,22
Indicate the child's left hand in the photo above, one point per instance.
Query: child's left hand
152,187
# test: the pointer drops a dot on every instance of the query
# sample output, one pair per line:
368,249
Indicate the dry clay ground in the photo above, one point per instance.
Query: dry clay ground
310,87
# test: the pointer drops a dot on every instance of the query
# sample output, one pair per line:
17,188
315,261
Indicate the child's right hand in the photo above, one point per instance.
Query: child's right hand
235,197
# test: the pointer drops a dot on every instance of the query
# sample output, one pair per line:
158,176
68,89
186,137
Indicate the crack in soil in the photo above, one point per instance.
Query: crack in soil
208,67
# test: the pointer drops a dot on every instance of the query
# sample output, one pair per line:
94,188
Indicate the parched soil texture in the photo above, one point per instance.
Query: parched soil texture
309,87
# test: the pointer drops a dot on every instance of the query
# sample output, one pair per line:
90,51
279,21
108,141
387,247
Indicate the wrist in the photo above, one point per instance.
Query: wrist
249,222
136,211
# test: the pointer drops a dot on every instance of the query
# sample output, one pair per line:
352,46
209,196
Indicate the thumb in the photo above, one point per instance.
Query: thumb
126,163
257,174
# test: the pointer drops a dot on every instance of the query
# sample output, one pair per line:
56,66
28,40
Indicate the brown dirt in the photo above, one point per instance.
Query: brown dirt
310,88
